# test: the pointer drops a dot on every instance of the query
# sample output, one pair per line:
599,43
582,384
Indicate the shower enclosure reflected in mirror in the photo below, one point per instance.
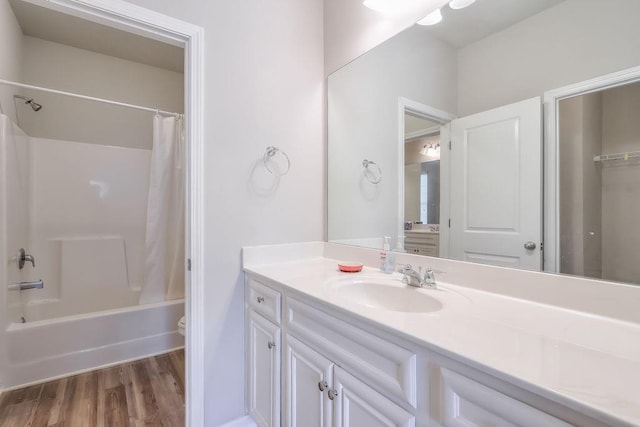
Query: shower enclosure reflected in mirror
491,71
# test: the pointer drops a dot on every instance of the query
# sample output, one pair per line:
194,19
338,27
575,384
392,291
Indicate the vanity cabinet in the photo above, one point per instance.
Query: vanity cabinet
336,370
422,243
264,354
321,394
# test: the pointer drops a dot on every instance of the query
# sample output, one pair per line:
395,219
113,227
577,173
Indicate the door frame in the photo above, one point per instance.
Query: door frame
551,172
147,23
406,105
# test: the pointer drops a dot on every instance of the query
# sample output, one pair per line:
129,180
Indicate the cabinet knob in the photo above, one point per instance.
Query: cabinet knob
271,344
260,300
322,385
332,394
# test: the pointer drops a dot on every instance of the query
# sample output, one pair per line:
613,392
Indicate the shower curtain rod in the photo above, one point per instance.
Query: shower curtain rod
89,98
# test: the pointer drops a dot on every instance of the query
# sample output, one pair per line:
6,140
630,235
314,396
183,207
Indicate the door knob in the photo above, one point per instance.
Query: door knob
530,245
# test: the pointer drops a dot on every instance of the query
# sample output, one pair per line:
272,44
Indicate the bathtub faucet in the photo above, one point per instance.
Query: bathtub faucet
23,258
38,284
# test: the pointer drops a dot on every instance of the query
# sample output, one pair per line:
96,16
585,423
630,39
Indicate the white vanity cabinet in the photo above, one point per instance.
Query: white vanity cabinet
422,242
335,369
264,353
321,394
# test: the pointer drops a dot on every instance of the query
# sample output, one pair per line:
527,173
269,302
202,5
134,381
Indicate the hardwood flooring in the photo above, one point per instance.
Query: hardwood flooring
148,392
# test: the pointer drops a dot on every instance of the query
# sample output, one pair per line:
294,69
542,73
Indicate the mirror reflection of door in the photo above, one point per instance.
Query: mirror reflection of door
496,186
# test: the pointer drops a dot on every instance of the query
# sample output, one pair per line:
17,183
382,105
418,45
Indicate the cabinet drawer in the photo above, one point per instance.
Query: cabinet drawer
422,238
385,366
265,300
466,402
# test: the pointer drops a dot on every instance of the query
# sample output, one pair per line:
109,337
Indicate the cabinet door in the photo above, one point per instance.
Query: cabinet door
264,371
307,379
358,405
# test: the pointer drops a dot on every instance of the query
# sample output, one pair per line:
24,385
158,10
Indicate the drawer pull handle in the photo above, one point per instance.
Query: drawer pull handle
322,385
332,394
260,300
271,344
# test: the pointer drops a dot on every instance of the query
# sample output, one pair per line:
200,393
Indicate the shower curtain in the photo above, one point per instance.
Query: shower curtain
164,241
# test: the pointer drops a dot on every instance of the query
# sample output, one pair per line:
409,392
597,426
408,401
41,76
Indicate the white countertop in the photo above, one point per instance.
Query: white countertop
586,362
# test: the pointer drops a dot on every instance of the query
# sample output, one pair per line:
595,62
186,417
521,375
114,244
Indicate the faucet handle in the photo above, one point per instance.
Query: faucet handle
405,269
429,277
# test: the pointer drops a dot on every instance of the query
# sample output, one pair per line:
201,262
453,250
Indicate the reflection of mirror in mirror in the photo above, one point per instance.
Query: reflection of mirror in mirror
481,66
421,171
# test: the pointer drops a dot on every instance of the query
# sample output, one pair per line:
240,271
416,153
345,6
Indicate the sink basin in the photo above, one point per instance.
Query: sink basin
386,294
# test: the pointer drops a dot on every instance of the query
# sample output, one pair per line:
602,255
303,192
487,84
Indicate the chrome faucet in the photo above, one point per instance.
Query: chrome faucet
23,286
414,278
22,258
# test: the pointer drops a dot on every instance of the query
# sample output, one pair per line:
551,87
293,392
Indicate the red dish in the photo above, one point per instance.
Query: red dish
350,267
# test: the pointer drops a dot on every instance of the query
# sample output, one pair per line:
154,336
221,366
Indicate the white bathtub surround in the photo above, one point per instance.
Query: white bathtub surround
572,341
38,351
164,243
86,225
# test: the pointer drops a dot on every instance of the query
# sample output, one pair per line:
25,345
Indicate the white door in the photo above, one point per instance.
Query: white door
307,379
264,371
496,186
358,405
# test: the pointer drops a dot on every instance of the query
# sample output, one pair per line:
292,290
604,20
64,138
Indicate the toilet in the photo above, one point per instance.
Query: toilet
181,325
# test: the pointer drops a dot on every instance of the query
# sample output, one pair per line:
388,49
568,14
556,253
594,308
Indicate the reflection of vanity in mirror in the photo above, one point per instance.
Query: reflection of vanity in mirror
533,114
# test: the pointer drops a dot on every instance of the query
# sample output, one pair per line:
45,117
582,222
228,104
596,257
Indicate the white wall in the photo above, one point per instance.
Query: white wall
350,29
67,68
263,86
11,53
412,65
527,59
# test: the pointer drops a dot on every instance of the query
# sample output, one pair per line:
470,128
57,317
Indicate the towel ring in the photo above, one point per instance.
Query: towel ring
269,153
371,175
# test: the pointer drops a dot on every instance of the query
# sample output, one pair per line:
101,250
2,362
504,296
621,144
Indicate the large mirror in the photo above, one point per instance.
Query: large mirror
506,134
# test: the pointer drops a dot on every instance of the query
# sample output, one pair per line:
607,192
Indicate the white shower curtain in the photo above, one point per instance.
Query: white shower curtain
164,242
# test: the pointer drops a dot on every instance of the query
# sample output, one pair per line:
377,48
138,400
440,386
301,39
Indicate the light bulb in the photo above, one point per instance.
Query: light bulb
460,4
431,19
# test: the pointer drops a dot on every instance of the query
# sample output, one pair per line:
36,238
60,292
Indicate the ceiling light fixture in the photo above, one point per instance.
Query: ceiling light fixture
460,4
431,19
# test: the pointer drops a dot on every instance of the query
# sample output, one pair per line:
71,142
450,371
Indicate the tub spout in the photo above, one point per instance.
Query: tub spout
38,284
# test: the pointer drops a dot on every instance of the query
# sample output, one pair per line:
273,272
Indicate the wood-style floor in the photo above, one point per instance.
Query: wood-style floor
148,392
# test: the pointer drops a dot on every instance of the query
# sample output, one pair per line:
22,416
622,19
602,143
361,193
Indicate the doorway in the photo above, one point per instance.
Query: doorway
152,25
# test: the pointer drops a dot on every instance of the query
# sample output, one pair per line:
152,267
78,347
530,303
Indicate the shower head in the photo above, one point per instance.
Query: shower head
34,105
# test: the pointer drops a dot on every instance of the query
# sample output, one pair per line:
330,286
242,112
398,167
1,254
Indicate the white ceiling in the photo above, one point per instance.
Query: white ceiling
48,24
483,18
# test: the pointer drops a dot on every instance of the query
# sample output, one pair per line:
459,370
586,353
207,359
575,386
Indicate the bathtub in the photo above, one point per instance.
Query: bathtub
42,350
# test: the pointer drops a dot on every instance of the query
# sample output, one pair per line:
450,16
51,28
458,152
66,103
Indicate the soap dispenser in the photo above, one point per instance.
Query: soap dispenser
386,257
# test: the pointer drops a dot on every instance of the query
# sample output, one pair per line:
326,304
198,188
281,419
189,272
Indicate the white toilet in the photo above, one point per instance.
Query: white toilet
181,325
